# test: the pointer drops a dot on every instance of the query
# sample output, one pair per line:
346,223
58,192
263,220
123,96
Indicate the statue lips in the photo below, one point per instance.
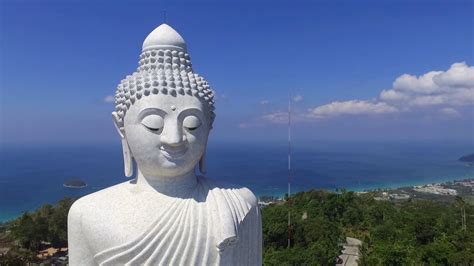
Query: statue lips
173,152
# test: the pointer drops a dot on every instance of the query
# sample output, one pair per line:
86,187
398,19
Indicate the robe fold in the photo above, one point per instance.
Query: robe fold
213,226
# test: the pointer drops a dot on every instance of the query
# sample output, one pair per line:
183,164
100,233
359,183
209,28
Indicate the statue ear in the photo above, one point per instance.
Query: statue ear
127,158
127,155
202,163
119,129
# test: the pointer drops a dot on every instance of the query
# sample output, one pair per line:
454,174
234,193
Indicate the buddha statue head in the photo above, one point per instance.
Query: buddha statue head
164,111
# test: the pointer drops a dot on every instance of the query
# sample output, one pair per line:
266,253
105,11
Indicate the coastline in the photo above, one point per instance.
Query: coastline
367,188
8,218
280,194
410,184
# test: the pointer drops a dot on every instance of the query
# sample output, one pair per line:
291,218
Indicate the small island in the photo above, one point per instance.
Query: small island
469,159
75,184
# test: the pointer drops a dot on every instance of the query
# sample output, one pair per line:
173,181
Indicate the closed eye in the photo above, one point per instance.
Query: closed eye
191,123
153,129
153,122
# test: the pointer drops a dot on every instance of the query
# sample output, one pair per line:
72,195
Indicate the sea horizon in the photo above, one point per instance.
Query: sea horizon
34,175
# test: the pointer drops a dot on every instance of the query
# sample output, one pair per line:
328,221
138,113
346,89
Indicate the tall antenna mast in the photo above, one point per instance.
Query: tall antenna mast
289,170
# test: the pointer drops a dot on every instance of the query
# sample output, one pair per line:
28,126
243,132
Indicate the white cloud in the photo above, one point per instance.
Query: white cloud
422,84
109,99
392,95
446,89
427,100
277,117
264,102
453,87
451,112
353,107
459,75
463,96
281,117
451,97
443,92
297,98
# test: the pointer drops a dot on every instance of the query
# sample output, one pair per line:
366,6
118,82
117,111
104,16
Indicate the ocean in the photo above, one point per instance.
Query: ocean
33,175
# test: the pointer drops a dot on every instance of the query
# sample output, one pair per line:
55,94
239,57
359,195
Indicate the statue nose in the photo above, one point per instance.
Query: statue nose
172,136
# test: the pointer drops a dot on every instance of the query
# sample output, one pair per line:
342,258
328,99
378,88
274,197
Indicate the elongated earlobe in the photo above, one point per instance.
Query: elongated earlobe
202,164
127,155
127,159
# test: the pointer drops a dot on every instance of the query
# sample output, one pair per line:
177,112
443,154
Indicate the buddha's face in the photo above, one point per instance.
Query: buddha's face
167,135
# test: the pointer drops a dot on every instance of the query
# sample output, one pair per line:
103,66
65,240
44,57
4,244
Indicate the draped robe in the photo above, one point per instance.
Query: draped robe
216,225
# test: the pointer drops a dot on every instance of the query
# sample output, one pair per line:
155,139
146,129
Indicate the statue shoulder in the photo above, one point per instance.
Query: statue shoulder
87,218
245,193
91,203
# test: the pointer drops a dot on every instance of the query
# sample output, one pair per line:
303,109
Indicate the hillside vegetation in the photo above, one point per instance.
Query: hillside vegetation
412,232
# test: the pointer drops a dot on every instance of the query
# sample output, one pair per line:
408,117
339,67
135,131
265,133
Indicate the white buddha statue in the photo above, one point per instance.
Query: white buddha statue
167,215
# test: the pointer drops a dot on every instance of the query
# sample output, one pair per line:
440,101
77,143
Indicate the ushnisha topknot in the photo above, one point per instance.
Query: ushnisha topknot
164,68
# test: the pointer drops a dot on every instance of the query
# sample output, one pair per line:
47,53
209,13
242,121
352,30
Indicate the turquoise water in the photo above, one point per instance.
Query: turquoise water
32,176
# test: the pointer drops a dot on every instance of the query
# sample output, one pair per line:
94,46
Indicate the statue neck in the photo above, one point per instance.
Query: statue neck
178,186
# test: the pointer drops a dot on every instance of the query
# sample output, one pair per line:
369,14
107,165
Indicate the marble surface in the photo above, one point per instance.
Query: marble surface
168,214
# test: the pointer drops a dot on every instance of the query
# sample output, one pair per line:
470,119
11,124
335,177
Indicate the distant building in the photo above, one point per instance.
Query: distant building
396,196
436,189
469,183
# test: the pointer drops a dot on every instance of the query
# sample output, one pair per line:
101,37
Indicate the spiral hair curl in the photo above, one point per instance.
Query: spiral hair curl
167,72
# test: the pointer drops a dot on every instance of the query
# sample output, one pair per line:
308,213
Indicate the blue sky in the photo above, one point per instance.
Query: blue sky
343,60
